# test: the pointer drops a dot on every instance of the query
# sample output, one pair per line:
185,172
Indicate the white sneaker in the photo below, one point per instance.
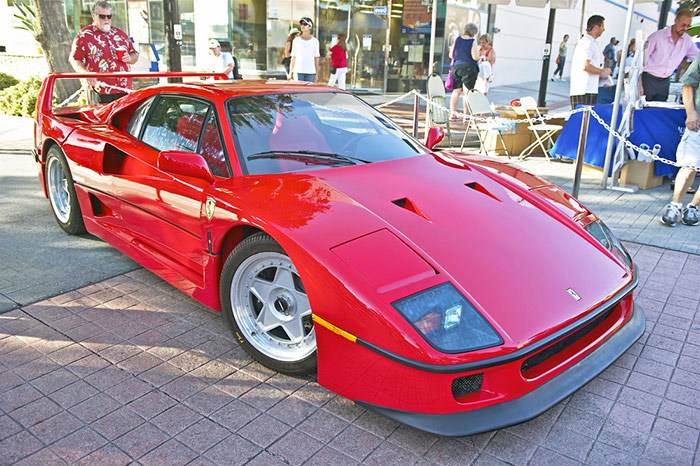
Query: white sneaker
690,215
671,215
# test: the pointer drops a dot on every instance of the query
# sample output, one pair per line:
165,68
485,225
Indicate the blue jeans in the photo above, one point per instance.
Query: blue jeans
560,67
308,77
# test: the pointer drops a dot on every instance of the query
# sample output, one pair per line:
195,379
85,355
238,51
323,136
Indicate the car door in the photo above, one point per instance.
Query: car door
163,210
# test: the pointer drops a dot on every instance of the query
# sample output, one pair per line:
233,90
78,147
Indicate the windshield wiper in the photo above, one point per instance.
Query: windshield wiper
306,154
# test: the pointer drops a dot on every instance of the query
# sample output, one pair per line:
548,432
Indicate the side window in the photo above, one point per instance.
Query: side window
175,124
139,115
212,149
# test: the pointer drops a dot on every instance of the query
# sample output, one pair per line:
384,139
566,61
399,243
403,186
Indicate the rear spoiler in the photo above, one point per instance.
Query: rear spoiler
45,98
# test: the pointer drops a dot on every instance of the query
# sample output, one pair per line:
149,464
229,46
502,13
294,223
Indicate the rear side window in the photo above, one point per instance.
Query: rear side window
137,119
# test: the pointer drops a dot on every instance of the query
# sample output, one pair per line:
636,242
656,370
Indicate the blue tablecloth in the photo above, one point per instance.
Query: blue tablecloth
651,126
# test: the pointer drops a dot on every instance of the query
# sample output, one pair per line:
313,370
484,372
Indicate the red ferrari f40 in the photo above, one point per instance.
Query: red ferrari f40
452,292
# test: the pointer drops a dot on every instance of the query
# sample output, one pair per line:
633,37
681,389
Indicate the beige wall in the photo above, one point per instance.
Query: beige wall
22,67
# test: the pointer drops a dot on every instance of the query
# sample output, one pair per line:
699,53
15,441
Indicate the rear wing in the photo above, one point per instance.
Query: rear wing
46,94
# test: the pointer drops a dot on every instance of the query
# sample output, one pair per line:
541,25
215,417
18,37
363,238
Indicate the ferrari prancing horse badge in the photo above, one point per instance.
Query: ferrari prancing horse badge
573,294
209,207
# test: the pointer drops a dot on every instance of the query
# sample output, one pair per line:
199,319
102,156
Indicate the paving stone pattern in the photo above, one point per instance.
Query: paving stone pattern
131,370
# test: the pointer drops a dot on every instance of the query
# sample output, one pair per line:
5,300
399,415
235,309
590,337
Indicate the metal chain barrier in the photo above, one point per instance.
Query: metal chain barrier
72,96
544,118
639,150
464,116
398,99
98,84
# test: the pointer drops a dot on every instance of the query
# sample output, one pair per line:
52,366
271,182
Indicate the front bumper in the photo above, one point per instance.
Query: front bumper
531,404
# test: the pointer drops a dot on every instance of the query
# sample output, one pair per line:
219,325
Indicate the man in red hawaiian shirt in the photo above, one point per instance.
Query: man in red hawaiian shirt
103,48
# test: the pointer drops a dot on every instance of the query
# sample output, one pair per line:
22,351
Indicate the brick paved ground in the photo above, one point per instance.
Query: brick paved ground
130,369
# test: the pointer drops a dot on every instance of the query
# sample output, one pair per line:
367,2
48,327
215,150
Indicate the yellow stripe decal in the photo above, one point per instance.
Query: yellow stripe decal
334,329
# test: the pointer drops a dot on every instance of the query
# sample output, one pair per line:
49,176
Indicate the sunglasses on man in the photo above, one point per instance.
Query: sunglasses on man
105,16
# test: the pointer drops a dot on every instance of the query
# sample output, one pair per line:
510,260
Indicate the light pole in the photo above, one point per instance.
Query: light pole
173,34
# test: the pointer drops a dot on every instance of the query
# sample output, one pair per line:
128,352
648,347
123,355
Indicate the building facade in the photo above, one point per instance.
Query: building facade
389,41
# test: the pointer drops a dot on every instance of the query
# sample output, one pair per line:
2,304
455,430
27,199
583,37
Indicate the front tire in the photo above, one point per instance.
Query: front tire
61,190
266,306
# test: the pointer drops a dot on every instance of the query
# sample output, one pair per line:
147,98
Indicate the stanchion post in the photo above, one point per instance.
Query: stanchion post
581,150
416,103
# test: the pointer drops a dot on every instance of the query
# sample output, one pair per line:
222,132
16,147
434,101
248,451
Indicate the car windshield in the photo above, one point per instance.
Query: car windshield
277,133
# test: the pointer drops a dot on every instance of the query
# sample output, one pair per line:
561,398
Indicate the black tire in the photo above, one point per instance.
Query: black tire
266,306
61,191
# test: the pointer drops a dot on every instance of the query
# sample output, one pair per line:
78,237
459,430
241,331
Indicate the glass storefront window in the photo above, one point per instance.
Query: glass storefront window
458,14
388,40
187,49
282,15
249,34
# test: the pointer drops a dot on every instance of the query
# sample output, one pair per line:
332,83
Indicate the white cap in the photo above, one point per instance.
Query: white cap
214,44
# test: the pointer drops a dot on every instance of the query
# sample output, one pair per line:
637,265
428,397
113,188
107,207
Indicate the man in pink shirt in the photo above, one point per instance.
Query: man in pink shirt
664,50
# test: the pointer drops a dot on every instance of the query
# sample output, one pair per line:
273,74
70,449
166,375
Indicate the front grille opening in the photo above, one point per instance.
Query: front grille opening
528,366
463,386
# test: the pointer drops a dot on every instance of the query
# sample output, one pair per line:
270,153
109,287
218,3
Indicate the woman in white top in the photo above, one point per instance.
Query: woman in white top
487,61
305,54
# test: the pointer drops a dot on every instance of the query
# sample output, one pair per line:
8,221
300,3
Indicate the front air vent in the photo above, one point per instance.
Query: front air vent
463,386
406,203
479,188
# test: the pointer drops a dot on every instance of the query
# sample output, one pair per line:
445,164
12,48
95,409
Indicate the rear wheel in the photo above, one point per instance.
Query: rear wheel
64,202
266,306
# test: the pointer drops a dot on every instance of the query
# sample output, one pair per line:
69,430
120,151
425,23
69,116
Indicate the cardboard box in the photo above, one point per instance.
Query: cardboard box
515,142
640,174
516,139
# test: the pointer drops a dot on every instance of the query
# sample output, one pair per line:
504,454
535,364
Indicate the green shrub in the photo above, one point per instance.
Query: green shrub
20,99
6,81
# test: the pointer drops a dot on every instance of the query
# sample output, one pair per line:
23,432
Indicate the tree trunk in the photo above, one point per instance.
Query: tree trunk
55,40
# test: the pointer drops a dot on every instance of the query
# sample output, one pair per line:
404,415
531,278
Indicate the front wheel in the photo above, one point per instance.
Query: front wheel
59,185
266,306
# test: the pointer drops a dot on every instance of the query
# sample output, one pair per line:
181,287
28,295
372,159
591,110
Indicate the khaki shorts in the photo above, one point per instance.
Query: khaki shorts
688,151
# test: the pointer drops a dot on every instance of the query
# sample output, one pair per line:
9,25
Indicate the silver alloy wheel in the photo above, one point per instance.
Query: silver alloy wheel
58,189
271,308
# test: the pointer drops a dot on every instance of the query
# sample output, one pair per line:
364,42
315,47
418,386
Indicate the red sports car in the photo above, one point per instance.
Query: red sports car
448,291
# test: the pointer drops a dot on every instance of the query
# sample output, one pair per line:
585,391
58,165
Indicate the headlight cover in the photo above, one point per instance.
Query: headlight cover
607,238
447,320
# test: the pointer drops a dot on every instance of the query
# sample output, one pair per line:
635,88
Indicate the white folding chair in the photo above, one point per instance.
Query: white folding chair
543,132
438,113
483,119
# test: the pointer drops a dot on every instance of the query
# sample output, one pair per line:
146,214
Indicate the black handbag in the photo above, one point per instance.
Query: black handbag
333,70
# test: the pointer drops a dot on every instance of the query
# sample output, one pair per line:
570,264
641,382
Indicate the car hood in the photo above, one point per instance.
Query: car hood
494,233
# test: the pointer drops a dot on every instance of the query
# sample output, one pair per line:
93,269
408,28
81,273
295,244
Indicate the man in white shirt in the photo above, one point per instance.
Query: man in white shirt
305,54
219,62
587,65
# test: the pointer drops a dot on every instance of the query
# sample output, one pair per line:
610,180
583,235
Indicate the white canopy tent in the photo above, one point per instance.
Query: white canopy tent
618,92
571,4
